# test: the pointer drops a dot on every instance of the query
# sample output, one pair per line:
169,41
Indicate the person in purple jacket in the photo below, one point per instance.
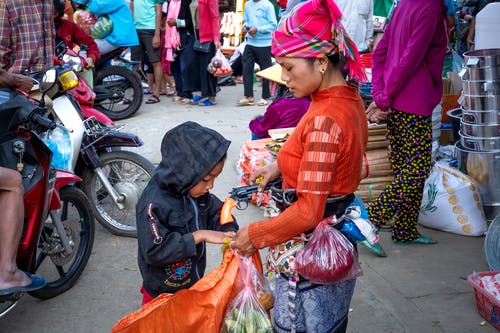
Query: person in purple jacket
407,85
285,110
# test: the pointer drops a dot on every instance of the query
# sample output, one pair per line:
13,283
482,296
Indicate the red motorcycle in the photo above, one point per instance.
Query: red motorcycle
58,232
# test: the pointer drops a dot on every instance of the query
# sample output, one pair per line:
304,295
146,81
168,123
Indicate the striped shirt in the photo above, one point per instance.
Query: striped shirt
322,158
27,35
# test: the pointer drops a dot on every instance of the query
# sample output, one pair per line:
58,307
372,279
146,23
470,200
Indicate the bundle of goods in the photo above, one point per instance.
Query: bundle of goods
377,171
230,28
253,155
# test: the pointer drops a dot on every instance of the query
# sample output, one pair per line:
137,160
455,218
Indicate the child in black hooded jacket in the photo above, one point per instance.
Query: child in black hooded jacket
176,214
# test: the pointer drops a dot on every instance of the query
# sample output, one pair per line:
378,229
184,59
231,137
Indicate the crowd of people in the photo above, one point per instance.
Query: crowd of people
319,68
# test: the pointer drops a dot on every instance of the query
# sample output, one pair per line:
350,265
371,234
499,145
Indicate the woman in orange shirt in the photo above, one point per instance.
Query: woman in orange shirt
320,160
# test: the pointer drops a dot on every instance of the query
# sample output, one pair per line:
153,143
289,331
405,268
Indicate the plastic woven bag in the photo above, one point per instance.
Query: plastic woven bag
199,309
219,65
328,257
246,313
451,202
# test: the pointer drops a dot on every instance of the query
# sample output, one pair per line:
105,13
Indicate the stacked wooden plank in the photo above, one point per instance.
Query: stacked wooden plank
377,171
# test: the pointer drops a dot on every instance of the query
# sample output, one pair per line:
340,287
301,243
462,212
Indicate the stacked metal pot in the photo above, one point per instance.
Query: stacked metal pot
478,150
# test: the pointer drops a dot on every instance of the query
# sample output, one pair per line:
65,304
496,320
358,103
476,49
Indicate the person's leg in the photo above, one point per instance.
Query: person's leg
248,71
263,59
154,56
416,144
208,82
11,226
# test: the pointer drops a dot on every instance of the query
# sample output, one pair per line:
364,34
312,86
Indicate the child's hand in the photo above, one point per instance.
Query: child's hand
211,236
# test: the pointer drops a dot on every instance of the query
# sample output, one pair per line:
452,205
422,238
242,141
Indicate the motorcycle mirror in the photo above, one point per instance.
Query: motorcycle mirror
48,80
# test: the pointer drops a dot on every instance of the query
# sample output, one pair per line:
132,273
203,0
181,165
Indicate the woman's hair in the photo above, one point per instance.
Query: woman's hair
282,91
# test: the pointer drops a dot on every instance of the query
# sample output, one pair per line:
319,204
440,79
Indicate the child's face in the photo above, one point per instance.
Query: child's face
207,183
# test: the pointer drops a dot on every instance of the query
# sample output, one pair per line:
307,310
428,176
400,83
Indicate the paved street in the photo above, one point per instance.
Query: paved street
415,289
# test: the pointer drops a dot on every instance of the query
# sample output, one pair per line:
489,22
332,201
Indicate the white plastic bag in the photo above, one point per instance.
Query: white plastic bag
451,202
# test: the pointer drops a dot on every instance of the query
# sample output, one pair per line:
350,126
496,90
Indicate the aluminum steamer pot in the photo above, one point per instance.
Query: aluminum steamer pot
484,131
488,117
480,144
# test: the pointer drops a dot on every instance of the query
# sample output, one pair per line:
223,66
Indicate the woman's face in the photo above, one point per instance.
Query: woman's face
302,76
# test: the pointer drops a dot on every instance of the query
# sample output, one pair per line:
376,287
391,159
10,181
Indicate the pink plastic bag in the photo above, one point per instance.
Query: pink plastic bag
328,257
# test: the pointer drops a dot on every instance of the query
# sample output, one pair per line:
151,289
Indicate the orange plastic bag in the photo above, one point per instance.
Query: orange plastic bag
199,309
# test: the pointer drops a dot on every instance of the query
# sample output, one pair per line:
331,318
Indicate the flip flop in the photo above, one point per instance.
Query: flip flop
263,102
245,102
207,102
196,99
147,92
37,282
153,99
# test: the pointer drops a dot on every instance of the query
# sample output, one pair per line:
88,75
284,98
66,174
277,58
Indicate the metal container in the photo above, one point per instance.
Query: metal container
484,168
480,144
481,87
482,58
480,73
483,131
488,117
480,102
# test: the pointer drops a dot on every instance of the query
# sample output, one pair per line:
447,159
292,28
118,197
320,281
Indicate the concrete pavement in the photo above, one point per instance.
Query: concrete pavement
415,289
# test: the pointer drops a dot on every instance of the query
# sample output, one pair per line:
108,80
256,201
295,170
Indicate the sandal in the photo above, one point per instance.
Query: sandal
196,99
207,102
245,102
263,102
422,240
153,99
147,92
185,101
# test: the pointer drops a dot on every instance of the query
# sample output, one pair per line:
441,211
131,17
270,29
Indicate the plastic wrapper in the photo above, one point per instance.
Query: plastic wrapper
247,312
84,19
219,65
59,143
102,27
328,257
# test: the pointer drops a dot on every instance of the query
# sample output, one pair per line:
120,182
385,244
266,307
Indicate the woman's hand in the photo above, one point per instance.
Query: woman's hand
375,114
172,22
265,174
242,243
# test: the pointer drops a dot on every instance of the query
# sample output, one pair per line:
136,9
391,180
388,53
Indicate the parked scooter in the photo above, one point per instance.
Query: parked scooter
113,179
118,89
58,227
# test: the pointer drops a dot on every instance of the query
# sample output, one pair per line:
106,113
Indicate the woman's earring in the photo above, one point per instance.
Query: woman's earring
322,71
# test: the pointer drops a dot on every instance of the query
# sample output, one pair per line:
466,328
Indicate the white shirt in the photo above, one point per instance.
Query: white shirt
358,20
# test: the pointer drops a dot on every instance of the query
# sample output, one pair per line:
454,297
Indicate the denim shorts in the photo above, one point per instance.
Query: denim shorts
318,308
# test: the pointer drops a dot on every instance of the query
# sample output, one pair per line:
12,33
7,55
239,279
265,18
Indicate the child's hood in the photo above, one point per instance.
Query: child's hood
188,153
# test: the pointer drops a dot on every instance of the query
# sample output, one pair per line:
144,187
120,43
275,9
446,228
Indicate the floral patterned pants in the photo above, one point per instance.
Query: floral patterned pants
410,140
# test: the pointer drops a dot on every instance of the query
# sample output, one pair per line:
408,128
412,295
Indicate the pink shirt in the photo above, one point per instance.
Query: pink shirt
407,62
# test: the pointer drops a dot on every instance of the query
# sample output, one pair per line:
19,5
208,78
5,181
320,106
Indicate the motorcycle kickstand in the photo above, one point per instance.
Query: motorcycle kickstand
65,241
117,198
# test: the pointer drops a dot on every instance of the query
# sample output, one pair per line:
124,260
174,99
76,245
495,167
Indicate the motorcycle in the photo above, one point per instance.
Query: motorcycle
112,178
118,89
58,233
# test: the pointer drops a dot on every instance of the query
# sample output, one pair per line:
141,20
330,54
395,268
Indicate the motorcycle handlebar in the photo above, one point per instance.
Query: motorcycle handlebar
42,121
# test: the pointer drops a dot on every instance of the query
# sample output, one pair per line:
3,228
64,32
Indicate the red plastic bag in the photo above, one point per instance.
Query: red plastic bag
199,309
219,65
246,313
328,257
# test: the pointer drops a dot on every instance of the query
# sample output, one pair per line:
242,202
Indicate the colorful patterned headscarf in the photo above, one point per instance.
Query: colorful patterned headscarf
313,28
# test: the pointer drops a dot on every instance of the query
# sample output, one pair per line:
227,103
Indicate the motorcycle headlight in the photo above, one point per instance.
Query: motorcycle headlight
75,62
68,80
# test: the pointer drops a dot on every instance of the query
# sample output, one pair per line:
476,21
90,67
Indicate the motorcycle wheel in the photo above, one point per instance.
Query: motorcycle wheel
125,88
129,173
59,269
